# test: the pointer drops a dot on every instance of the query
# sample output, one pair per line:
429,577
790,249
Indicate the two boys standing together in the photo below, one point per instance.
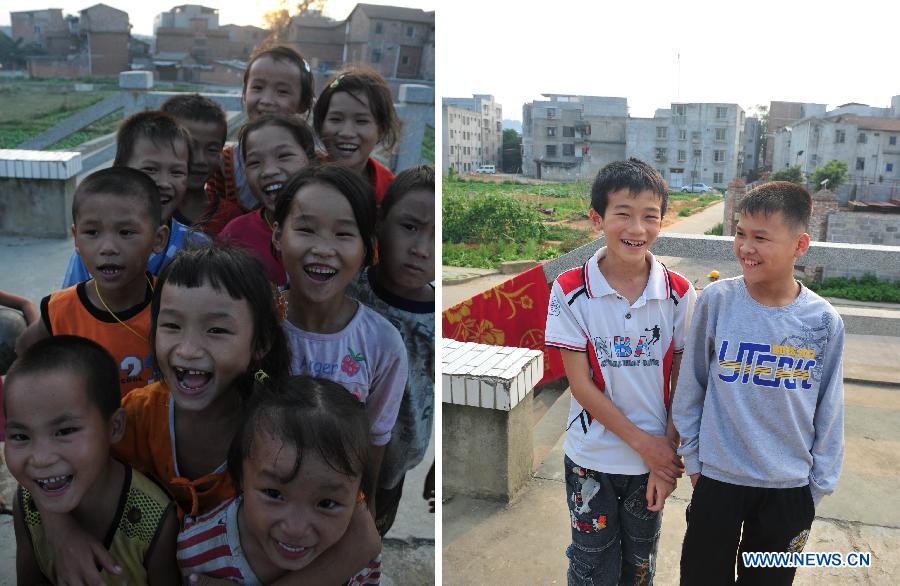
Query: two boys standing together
743,382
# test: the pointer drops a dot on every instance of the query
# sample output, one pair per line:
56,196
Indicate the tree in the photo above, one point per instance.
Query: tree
278,21
834,171
512,151
792,174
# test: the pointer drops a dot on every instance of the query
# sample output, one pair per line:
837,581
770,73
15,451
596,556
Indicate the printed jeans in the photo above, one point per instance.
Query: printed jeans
614,536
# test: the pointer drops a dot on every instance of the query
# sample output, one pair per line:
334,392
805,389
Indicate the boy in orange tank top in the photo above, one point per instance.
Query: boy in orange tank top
117,224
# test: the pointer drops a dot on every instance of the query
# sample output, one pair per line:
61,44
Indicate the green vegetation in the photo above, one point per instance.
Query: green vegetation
866,288
792,174
428,145
834,171
32,106
715,230
488,256
489,217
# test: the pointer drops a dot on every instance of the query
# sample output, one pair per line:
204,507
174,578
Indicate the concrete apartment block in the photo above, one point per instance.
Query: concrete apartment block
571,137
461,144
782,114
690,143
490,121
36,189
487,409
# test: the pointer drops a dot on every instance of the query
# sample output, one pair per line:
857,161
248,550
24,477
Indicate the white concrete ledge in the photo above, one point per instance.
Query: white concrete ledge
493,377
25,164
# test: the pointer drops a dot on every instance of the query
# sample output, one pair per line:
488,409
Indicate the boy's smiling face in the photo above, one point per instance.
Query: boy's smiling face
114,236
631,224
207,142
58,441
767,247
167,165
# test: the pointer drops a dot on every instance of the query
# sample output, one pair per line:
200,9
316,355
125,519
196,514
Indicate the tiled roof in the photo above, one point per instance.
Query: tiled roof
395,13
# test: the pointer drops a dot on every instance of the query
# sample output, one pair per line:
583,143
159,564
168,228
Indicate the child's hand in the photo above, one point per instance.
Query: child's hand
658,489
78,554
694,479
428,490
659,454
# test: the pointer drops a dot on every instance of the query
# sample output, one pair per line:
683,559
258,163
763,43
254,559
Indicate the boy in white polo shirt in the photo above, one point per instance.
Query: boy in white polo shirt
620,322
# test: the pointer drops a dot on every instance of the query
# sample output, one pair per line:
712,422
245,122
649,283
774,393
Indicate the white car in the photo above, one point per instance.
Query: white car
488,169
697,188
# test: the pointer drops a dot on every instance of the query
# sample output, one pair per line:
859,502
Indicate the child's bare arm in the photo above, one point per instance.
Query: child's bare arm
21,304
32,334
658,490
162,567
376,455
656,450
344,559
27,570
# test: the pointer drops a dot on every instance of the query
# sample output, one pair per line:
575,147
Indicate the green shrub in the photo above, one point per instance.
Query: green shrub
489,217
715,230
866,288
685,212
489,256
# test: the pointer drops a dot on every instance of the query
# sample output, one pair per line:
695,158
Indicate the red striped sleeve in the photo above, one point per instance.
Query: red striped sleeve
206,556
201,537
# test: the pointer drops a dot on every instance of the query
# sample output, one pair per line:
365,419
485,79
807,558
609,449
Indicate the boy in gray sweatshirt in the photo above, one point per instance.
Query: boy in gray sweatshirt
759,407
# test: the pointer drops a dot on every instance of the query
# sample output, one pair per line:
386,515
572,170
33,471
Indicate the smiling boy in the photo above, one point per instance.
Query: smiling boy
620,322
63,414
760,399
116,225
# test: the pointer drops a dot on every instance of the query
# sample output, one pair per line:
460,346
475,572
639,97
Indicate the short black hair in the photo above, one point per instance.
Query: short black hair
418,177
89,360
792,200
197,108
293,123
634,175
237,272
357,190
120,182
316,416
285,54
359,79
161,128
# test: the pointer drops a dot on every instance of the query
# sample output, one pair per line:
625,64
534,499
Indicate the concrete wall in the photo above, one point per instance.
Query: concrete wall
864,228
41,208
109,53
101,18
34,26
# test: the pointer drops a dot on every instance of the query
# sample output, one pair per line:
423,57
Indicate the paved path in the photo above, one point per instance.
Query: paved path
486,542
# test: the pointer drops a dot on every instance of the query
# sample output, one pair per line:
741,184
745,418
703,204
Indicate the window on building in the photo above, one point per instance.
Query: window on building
568,150
892,141
660,154
661,131
721,112
379,28
569,131
405,60
682,134
410,31
839,136
551,131
718,177
695,136
719,156
888,168
680,109
721,134
860,164
452,149
551,150
814,160
682,156
551,112
376,55
861,139
698,153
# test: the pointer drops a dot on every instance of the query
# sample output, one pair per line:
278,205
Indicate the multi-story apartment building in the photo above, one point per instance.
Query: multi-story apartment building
191,30
571,137
461,143
690,143
752,136
490,116
869,145
106,32
397,42
782,114
37,26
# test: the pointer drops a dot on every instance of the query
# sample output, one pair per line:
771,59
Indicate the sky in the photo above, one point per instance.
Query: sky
655,53
142,14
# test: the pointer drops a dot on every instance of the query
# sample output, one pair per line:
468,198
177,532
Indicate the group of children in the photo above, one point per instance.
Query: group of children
238,371
743,382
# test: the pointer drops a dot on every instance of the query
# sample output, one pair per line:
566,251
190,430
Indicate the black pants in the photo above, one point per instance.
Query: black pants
387,501
773,519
